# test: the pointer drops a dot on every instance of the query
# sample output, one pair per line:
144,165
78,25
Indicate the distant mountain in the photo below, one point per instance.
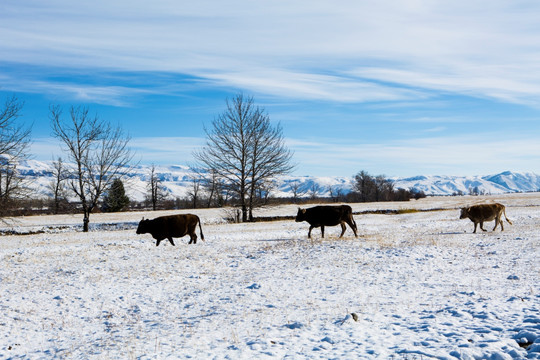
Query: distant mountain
177,181
504,182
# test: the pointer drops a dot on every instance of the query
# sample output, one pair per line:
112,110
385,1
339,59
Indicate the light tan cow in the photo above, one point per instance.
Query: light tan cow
485,212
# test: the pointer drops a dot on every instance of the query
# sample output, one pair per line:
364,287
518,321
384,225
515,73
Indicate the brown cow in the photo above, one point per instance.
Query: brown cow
327,216
167,227
485,212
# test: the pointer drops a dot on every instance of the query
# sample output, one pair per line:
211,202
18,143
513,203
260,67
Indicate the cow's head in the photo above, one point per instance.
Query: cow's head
143,227
464,213
301,216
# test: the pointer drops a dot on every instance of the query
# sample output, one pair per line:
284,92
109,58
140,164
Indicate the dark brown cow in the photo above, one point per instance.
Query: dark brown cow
485,212
167,227
327,216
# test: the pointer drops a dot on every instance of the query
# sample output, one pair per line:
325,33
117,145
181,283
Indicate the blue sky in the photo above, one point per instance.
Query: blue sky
401,89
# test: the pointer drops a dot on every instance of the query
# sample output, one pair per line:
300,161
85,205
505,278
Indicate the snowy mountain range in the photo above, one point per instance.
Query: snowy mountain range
504,182
177,181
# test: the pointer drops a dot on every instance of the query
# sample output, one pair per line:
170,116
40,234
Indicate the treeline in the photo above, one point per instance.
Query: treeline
243,154
368,188
207,191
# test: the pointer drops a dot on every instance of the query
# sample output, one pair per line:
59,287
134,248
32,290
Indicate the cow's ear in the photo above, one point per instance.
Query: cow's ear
303,211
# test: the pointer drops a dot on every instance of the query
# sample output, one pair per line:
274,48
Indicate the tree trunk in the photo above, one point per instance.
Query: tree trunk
56,204
210,198
86,221
244,213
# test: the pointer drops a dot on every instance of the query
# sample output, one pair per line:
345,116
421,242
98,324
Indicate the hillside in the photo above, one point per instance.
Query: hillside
177,181
504,182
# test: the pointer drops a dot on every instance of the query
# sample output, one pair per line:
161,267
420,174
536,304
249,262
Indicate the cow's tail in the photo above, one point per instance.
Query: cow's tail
504,212
200,229
352,219
354,222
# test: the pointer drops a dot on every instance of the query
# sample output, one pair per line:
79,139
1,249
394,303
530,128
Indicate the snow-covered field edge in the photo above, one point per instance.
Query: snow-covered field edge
415,285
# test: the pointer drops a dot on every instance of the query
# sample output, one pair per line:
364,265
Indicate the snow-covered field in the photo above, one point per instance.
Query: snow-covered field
418,285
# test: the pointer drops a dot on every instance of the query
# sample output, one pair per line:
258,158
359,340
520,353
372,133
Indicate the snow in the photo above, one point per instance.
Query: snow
417,285
504,182
177,181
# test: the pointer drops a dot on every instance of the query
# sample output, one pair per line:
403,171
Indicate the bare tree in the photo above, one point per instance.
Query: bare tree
296,188
213,186
264,192
244,149
14,144
336,193
98,151
364,186
382,188
205,182
57,185
388,190
269,157
314,190
155,188
368,188
194,192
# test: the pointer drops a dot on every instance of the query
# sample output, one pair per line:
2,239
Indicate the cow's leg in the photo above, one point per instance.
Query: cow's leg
498,220
157,242
192,235
343,228
309,232
482,226
171,241
475,224
322,231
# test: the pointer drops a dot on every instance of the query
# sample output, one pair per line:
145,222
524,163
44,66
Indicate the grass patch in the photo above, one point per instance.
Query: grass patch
407,211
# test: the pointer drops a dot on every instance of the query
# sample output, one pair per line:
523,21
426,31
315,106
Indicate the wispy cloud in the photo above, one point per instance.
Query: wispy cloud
338,88
166,150
86,93
159,150
452,155
374,52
